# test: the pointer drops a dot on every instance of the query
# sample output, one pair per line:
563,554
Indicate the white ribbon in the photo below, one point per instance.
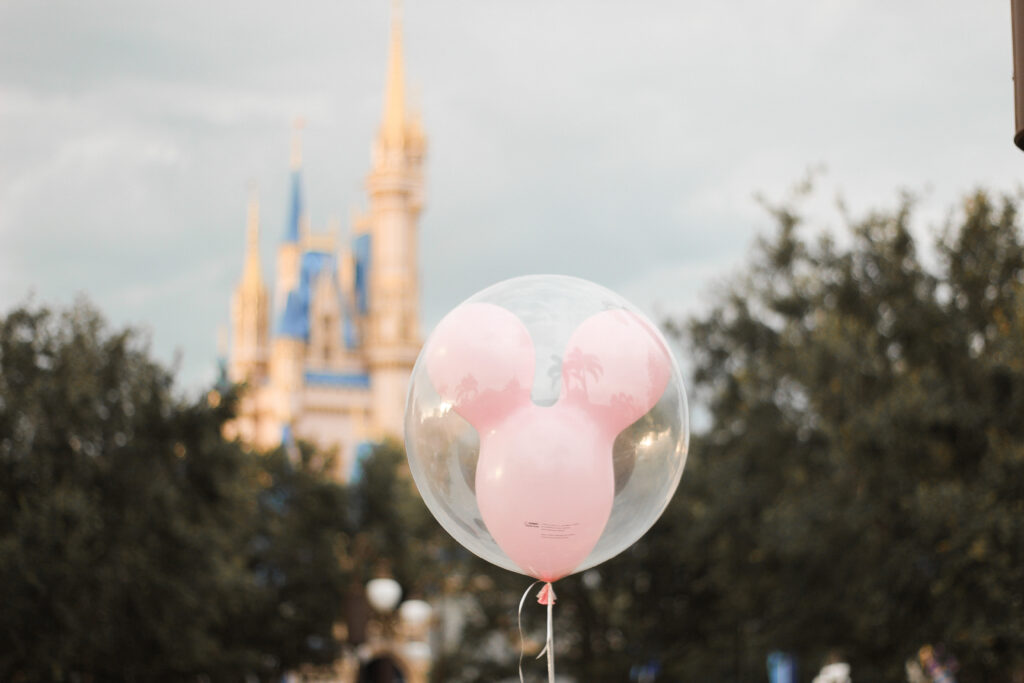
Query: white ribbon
549,645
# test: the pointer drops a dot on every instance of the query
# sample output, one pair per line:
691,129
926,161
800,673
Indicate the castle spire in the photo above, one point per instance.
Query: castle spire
294,219
392,132
296,150
249,306
251,275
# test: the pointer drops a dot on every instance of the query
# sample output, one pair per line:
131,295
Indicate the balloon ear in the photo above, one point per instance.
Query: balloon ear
480,358
616,367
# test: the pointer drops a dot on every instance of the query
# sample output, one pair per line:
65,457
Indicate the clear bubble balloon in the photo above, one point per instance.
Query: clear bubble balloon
546,424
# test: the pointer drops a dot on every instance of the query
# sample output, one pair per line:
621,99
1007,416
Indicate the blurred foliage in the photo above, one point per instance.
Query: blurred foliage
395,533
137,544
860,486
296,553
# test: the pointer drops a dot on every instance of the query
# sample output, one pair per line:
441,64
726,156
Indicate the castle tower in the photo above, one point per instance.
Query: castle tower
250,314
333,366
395,188
289,251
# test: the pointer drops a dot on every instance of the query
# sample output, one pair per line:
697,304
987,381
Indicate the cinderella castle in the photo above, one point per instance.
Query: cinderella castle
329,360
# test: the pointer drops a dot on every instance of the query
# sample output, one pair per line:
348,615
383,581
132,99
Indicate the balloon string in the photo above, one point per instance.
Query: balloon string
550,646
522,642
546,596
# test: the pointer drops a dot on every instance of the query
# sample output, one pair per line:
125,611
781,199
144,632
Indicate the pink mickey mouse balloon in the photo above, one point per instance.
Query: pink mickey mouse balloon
546,424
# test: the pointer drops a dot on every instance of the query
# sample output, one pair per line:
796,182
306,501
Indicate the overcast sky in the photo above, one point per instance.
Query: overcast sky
622,142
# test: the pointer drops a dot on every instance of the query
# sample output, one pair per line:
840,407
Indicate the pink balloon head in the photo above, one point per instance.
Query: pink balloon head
545,480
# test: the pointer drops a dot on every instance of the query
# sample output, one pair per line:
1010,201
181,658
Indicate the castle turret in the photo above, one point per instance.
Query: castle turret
395,186
289,251
250,313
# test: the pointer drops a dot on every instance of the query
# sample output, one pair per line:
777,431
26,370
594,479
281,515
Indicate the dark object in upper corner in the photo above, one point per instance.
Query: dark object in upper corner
1017,21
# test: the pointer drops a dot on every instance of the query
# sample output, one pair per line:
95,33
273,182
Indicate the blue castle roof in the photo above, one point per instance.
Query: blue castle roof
361,254
291,227
294,320
351,380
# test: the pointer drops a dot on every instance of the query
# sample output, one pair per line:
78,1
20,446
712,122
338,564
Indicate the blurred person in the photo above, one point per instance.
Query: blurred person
939,669
834,671
915,674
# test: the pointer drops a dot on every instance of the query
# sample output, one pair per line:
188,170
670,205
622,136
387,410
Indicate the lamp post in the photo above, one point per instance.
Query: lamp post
1017,21
398,651
415,616
380,663
383,594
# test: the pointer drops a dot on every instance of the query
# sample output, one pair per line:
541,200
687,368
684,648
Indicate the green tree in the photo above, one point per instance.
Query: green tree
859,486
395,534
297,555
135,542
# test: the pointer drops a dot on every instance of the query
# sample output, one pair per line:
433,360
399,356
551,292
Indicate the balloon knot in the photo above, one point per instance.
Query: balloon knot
546,596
